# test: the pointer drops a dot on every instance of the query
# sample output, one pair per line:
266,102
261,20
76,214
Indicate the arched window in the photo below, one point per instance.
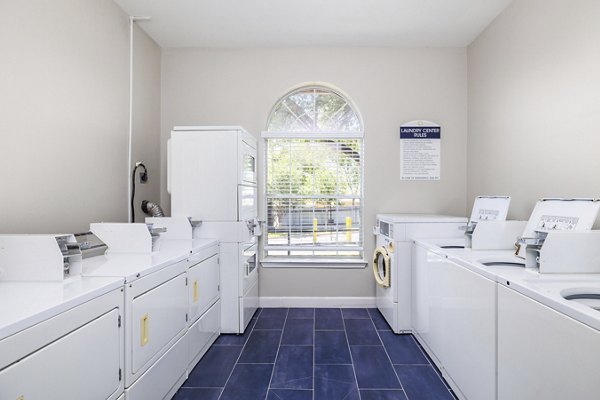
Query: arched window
314,176
314,109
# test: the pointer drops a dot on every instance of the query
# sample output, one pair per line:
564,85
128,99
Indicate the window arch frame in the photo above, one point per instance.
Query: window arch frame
316,85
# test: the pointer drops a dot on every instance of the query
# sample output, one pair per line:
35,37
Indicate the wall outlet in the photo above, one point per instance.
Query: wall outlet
143,177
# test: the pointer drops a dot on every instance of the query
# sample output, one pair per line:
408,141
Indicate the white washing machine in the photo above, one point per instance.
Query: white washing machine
392,259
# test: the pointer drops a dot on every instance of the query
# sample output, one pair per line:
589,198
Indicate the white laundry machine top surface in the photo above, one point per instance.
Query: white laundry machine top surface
208,128
547,289
24,304
419,218
133,266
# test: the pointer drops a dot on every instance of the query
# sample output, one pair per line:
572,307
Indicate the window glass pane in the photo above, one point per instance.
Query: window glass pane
313,110
314,192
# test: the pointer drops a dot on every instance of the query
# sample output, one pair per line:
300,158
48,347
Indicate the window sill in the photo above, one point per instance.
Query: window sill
275,262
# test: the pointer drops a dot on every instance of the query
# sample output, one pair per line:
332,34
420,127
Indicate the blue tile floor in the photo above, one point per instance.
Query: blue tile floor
315,354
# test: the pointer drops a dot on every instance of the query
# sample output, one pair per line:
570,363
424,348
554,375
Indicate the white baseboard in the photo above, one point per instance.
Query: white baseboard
317,302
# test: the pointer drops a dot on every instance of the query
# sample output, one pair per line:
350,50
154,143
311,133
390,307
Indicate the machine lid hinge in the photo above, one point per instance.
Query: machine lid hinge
218,288
186,281
120,374
119,321
186,317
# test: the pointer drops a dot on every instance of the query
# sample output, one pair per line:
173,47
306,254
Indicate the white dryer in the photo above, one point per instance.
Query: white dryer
392,259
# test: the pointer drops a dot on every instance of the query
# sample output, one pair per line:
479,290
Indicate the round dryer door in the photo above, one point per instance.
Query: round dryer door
381,266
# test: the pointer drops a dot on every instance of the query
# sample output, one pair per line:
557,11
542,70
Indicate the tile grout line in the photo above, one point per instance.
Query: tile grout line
434,367
238,358
313,390
387,355
350,351
287,312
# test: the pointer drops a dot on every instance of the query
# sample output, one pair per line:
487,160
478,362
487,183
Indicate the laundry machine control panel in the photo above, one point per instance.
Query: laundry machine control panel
386,229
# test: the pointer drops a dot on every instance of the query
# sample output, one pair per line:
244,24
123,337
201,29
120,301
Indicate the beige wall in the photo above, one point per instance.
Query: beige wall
534,103
146,117
389,86
64,113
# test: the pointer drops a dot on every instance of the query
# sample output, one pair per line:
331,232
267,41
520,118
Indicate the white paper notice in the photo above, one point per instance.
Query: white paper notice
420,148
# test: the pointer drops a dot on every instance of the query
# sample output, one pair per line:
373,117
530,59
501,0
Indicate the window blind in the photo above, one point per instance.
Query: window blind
314,196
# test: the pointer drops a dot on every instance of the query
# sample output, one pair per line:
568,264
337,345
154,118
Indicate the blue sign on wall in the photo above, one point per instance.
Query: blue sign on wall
420,132
420,148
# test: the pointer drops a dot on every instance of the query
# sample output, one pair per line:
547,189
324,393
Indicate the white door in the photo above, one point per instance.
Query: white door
158,316
203,333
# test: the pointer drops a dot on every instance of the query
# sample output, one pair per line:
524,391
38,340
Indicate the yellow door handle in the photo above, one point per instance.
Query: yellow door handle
195,291
144,330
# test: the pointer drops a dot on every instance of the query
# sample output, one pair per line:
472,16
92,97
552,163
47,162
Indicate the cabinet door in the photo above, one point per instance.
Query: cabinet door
203,333
159,315
248,306
469,338
164,377
543,354
203,286
85,364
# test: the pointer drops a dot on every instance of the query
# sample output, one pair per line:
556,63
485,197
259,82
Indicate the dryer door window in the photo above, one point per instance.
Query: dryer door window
382,266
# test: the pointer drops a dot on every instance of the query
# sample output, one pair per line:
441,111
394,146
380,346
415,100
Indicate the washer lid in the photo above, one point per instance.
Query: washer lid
486,208
562,214
556,214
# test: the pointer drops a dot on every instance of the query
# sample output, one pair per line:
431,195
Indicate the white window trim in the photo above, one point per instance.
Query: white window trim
313,135
316,262
298,262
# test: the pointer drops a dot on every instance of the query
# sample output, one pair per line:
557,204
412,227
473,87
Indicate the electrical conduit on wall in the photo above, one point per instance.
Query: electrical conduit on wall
132,19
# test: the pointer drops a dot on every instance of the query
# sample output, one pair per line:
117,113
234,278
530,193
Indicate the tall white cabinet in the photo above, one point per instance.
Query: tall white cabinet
212,177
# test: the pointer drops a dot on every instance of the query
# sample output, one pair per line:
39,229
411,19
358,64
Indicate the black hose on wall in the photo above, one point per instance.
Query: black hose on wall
152,209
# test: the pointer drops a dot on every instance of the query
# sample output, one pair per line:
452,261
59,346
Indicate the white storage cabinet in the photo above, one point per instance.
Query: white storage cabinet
77,354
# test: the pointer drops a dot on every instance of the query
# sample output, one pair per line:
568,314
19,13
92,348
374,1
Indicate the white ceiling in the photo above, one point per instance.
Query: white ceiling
283,23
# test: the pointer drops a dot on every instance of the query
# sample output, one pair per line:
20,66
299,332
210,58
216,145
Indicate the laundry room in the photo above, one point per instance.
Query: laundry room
299,200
